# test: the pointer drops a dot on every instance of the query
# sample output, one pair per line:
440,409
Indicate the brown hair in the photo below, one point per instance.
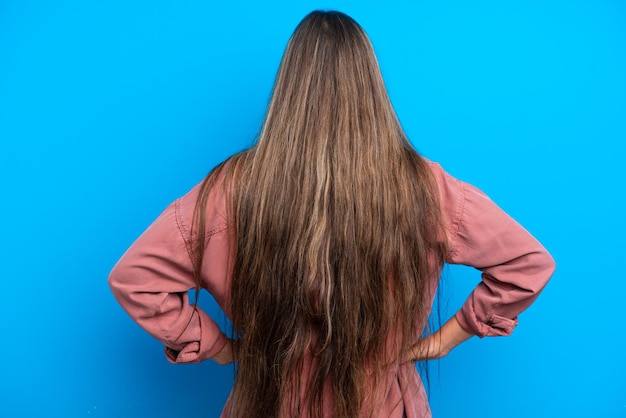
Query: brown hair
337,232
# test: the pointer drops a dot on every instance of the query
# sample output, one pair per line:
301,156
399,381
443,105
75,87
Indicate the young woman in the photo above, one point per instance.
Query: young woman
324,243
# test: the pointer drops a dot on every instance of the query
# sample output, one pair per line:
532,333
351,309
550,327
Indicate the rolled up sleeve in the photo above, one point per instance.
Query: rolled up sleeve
151,282
515,266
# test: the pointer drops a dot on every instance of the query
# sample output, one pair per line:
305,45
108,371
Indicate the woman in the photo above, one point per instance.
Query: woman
324,243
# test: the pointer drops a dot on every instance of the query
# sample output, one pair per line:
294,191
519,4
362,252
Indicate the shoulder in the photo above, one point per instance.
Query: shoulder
449,187
451,199
214,204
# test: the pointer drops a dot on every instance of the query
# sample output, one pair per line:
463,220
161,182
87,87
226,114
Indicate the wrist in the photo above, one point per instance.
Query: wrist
452,334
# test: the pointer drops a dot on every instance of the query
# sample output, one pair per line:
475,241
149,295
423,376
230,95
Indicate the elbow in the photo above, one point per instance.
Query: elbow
552,267
116,280
549,264
122,286
544,269
536,271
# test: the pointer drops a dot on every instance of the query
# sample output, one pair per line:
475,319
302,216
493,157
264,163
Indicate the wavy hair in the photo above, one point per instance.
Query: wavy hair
337,233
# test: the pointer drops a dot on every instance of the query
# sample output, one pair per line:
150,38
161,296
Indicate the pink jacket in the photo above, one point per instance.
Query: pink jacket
152,278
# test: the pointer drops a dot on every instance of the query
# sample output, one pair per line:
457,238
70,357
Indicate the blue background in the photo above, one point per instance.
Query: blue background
110,110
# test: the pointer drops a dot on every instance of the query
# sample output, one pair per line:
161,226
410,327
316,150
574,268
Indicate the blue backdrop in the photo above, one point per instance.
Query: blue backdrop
110,110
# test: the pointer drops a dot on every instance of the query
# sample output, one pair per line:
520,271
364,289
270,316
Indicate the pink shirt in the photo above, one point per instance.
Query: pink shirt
152,278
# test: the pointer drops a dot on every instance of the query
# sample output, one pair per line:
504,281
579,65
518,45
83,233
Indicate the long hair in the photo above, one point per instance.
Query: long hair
337,233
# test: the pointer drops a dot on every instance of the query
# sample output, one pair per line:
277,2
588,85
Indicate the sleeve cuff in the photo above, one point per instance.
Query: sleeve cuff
212,341
496,325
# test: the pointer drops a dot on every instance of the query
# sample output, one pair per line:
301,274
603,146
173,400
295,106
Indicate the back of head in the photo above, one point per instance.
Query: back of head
329,87
337,232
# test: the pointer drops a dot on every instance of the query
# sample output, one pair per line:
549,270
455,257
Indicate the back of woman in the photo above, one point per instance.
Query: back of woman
337,224
323,243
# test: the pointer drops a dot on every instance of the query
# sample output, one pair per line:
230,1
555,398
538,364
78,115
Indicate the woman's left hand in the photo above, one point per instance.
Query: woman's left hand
440,343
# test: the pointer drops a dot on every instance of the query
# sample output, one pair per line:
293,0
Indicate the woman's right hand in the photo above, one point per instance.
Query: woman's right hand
225,356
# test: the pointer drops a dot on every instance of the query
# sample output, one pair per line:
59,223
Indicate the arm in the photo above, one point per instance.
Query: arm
440,343
151,282
515,266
